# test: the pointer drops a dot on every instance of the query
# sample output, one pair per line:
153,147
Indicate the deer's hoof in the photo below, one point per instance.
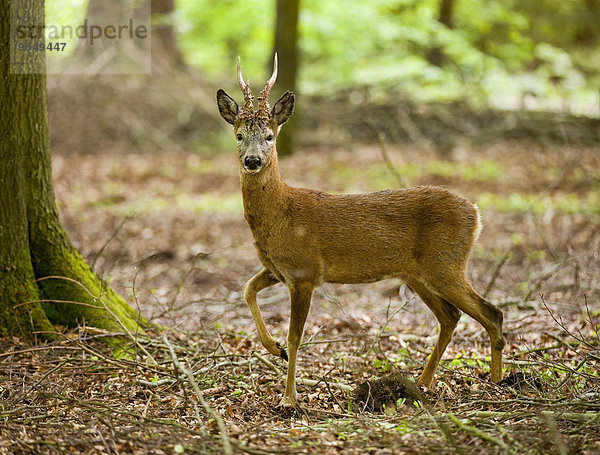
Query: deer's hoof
288,403
282,352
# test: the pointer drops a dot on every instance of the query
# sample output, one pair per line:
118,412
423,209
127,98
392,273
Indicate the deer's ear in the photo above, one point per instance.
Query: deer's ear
228,108
283,108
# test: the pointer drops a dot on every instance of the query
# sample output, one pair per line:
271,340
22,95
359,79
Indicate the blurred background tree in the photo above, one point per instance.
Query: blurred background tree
498,55
501,48
286,39
165,51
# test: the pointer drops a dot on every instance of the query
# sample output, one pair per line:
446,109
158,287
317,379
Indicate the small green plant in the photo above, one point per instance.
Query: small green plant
403,427
463,361
404,352
382,365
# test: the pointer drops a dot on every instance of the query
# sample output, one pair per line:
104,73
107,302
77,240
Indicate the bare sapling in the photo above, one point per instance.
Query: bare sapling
303,237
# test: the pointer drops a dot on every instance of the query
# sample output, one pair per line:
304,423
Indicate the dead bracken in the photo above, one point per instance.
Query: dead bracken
380,393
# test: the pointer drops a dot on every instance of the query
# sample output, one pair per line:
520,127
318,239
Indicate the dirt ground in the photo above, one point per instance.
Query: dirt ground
167,231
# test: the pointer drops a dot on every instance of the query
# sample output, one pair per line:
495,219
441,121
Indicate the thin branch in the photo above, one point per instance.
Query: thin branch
72,302
210,411
479,433
268,363
110,239
383,149
496,272
333,385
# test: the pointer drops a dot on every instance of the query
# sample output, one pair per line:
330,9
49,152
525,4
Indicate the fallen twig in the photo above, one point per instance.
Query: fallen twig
268,363
479,433
333,385
224,436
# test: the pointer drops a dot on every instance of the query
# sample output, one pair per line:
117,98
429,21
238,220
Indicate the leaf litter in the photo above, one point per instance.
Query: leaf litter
184,265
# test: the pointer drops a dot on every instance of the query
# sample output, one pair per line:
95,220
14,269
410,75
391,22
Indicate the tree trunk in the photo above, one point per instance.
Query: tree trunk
100,13
446,10
43,279
436,56
286,39
165,54
589,28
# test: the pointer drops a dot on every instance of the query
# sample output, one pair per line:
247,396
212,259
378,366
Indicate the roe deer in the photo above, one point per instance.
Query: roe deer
304,237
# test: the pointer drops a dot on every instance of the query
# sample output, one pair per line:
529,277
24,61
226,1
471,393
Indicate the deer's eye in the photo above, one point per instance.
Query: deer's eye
239,137
269,137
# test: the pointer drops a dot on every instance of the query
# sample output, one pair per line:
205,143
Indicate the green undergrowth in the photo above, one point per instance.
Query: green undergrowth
341,178
585,204
379,177
198,203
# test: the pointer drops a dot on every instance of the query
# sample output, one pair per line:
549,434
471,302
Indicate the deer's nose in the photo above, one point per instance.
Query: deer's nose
252,162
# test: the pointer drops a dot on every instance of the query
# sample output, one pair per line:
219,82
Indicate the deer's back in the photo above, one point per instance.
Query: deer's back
357,238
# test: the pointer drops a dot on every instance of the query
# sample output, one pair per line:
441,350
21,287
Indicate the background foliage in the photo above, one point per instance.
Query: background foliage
156,210
499,53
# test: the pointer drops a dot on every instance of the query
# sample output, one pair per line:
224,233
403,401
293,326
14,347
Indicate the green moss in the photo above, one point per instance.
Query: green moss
20,311
67,277
57,273
63,276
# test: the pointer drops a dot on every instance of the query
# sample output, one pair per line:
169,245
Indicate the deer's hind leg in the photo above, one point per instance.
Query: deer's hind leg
447,316
257,283
462,295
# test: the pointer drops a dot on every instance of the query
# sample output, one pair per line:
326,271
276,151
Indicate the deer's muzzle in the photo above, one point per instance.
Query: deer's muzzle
253,163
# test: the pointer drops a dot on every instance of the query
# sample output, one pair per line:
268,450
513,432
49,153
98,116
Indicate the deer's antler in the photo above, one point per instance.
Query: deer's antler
263,99
245,87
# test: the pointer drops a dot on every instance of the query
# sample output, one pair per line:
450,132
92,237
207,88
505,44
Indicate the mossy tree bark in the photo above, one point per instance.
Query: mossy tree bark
43,279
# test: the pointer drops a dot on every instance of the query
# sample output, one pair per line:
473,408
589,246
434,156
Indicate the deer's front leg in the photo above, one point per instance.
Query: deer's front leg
300,296
257,283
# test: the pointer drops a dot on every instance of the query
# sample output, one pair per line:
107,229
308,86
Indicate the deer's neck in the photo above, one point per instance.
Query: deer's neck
264,196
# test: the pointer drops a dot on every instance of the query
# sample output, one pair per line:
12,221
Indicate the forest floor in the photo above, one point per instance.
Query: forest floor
167,231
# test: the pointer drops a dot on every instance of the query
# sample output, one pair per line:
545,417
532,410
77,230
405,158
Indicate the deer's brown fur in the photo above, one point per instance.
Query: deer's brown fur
422,235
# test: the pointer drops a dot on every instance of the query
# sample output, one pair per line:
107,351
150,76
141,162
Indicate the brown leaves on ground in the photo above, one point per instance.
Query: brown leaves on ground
167,231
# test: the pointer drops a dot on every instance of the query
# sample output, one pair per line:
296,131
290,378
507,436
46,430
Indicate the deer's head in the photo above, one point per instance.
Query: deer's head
255,131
